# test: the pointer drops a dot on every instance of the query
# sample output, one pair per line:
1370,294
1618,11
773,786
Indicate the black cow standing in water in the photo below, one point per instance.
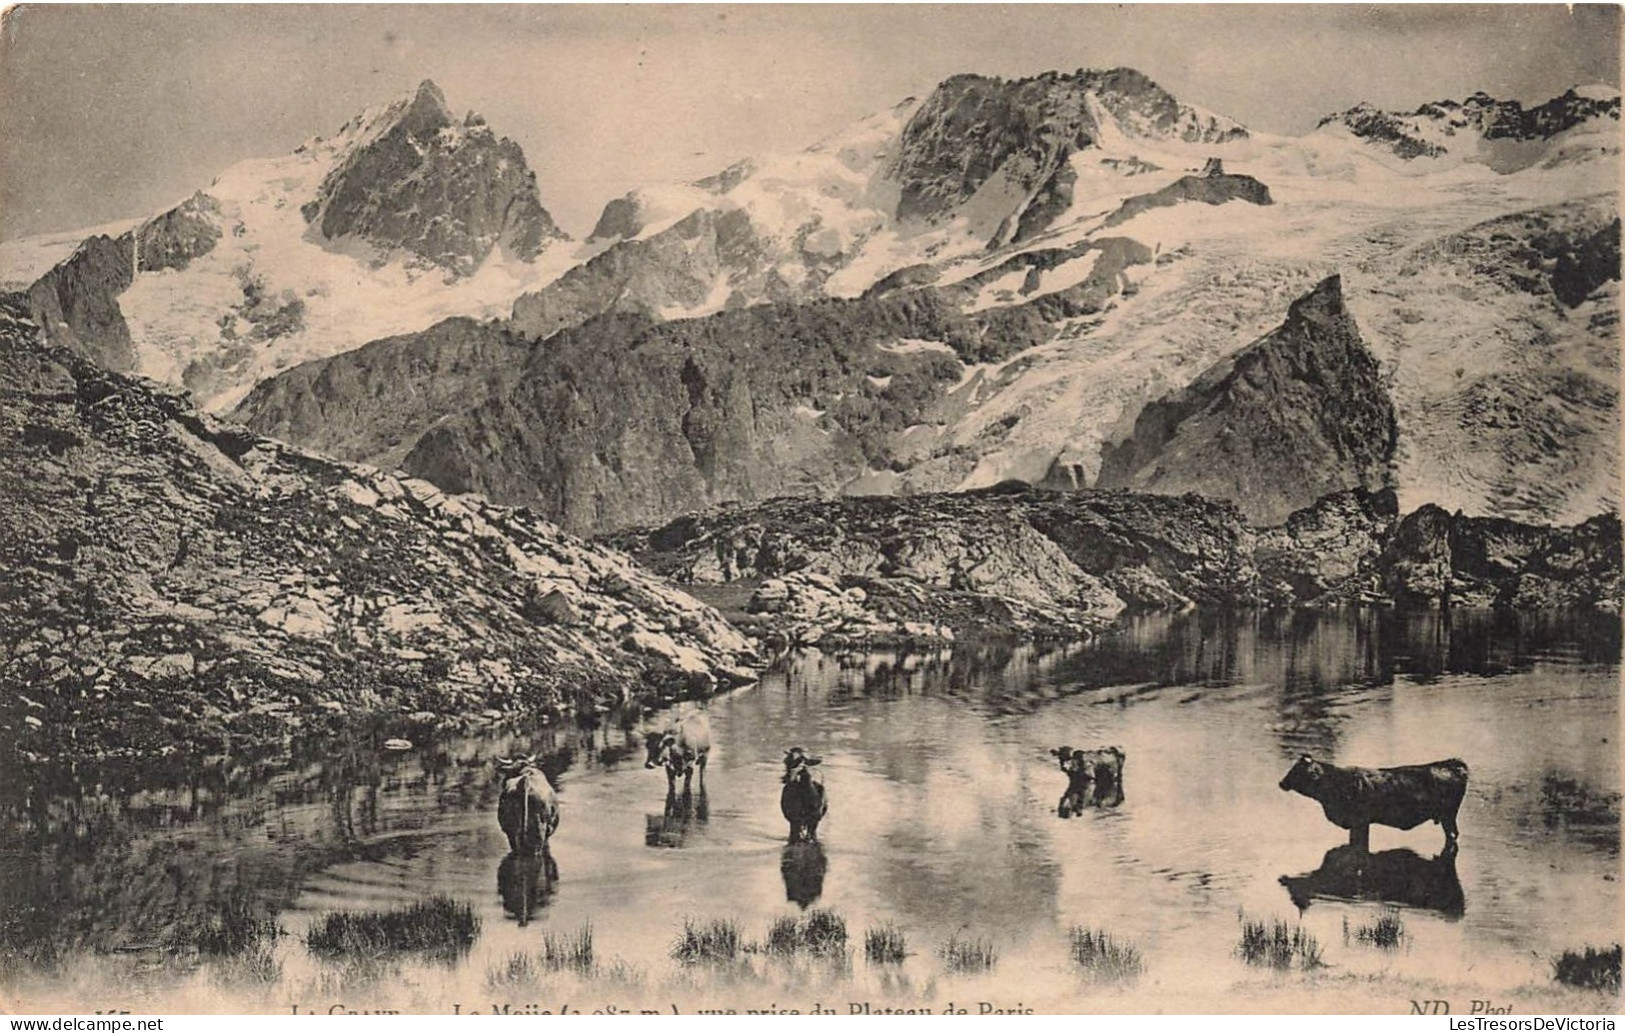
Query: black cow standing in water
1094,778
1403,797
802,801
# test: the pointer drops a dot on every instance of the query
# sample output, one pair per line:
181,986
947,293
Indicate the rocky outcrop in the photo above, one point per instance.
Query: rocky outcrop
371,405
1328,552
76,302
1435,556
678,269
1297,415
1052,198
1450,126
1212,186
1017,134
1012,559
1015,559
444,190
1037,298
1396,132
177,582
178,237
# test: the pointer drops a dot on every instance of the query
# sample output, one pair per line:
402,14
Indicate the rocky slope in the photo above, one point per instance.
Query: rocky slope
621,420
1298,414
406,216
1500,345
1018,559
174,581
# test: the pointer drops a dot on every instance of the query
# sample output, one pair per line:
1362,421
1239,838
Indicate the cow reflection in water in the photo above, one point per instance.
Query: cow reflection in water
525,882
1401,877
684,812
803,865
1094,778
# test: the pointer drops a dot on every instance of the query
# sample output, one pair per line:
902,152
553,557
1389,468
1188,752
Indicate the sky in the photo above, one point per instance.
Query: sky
110,112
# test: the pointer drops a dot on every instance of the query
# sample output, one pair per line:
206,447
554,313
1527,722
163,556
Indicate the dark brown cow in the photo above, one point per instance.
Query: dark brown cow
1403,797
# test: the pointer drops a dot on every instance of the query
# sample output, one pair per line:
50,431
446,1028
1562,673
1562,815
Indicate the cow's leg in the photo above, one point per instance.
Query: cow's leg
1360,838
513,843
1448,822
795,832
688,781
812,830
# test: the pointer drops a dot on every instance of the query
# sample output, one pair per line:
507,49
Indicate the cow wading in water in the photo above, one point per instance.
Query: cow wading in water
1403,797
802,801
681,750
528,809
1094,778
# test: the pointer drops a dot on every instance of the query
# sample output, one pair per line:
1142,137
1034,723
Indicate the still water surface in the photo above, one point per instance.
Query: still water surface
942,821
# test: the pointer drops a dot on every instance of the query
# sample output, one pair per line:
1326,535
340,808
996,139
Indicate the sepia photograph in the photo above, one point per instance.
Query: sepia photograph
845,509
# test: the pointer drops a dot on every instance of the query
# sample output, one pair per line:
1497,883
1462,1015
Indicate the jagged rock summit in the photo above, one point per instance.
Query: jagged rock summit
1297,415
405,216
445,190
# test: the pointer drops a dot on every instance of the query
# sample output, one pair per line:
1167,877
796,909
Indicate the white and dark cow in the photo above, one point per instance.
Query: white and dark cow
681,750
1402,797
528,808
1094,778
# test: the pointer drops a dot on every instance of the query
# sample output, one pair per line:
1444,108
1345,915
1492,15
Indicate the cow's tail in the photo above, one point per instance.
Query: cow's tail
527,837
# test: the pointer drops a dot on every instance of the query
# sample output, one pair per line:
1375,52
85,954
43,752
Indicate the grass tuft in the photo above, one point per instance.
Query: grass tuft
885,945
517,968
1278,946
1103,957
237,928
717,940
563,950
438,924
968,955
1590,969
1386,932
821,933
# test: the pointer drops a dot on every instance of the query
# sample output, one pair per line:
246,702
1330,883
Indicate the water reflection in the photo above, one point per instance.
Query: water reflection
803,866
953,800
525,882
1401,877
685,812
